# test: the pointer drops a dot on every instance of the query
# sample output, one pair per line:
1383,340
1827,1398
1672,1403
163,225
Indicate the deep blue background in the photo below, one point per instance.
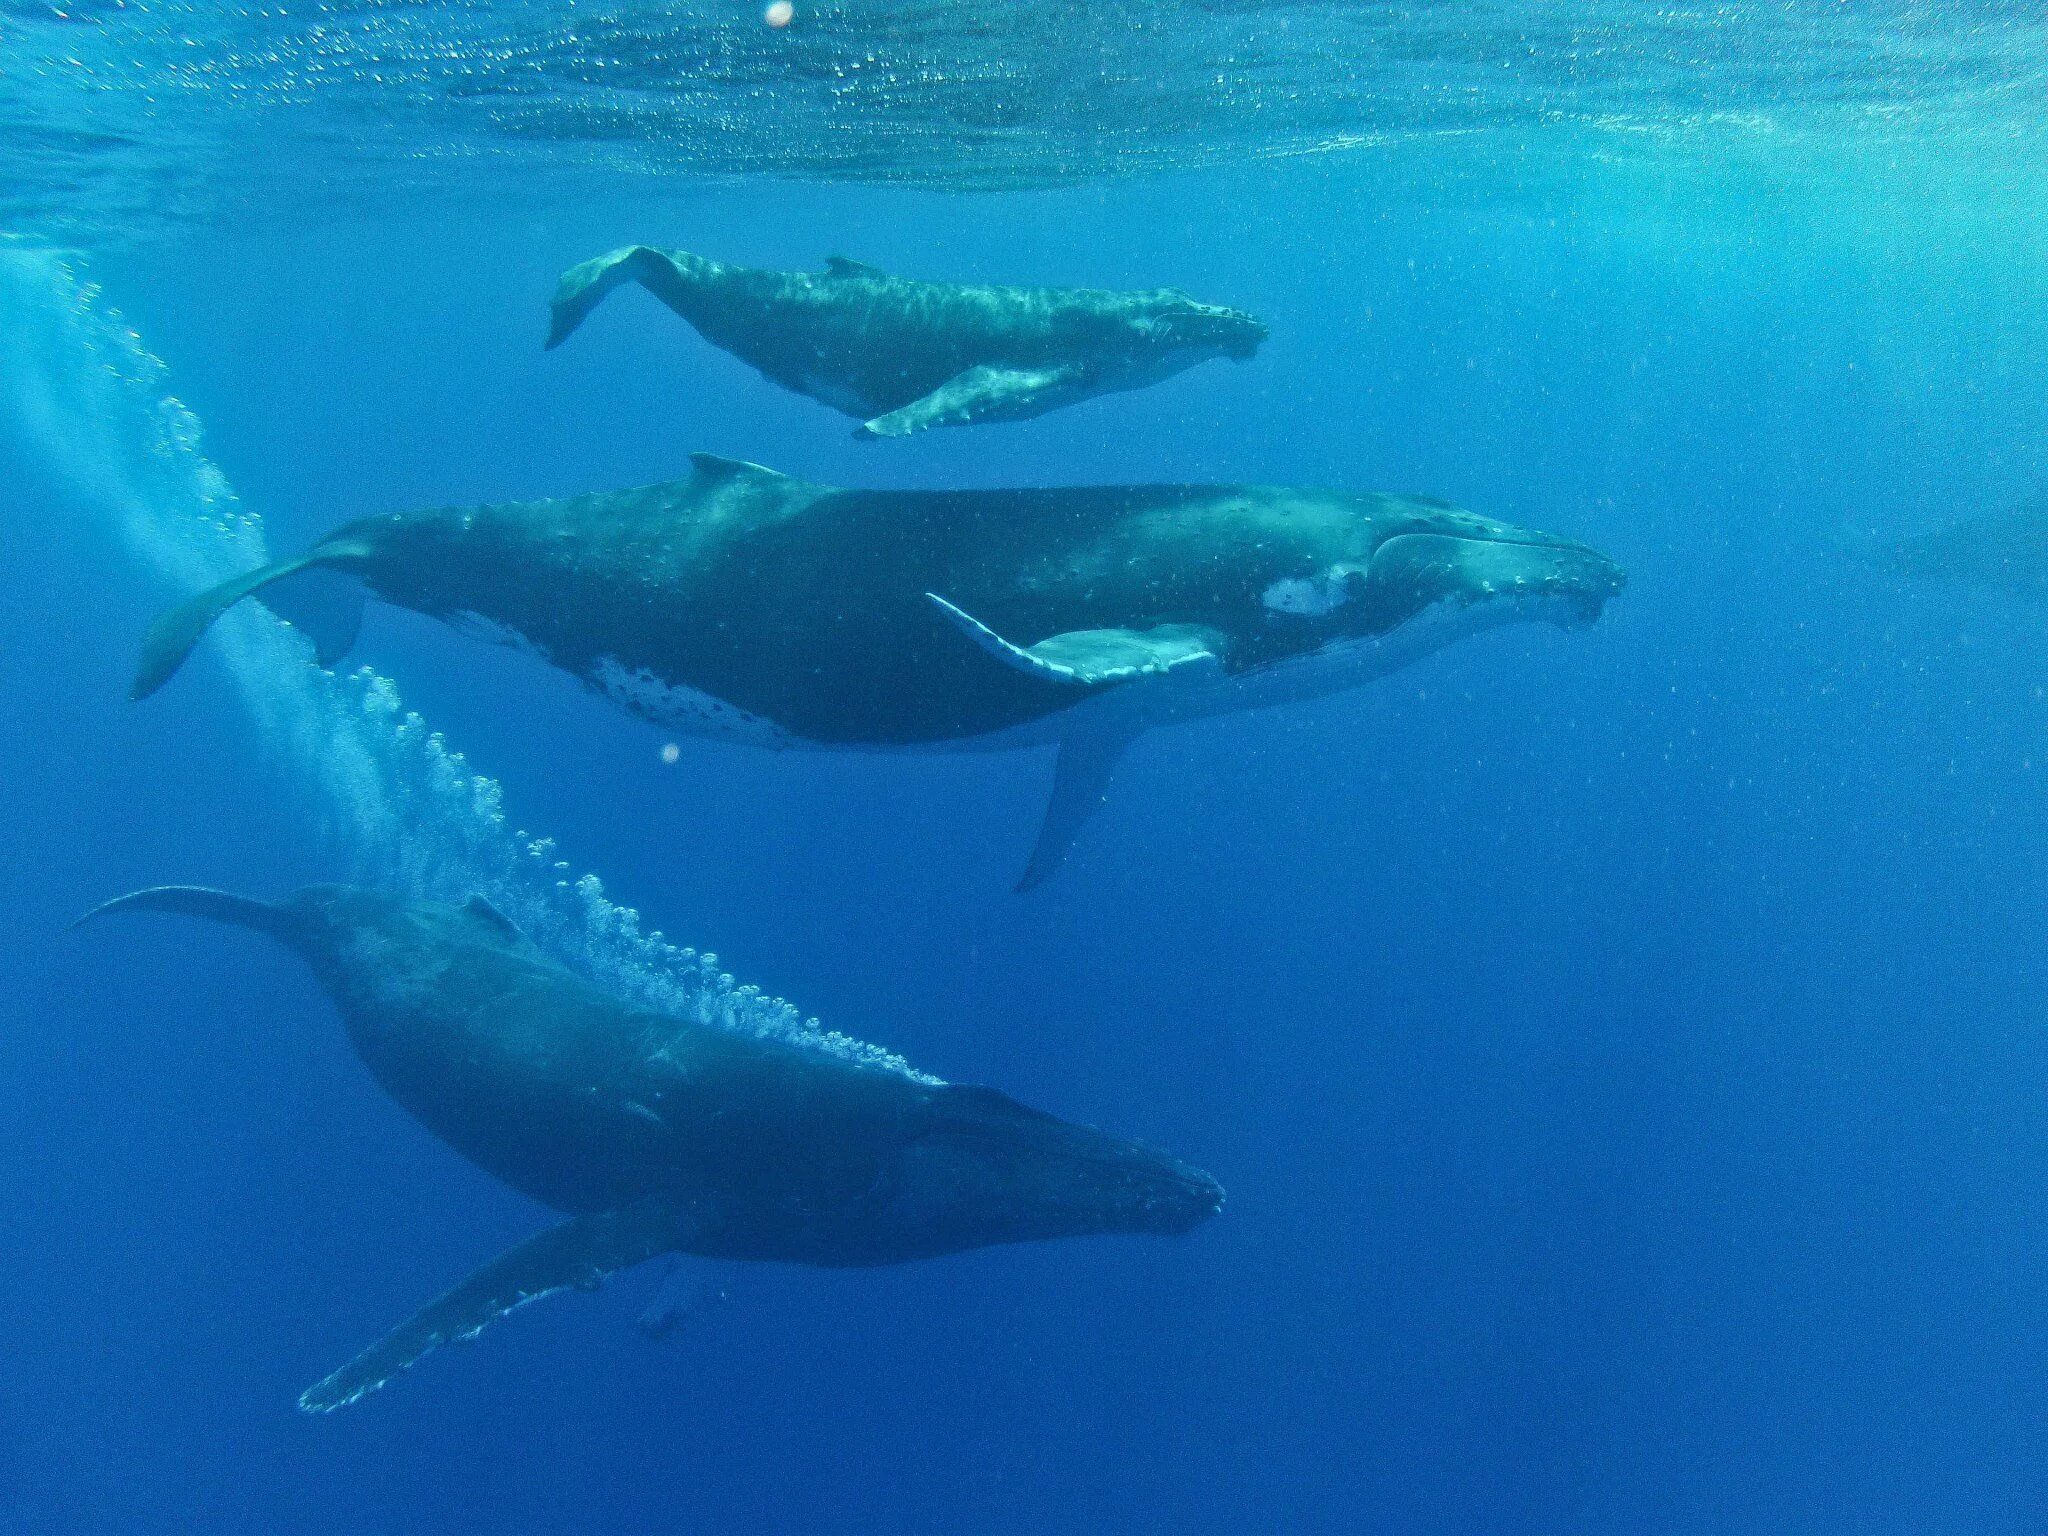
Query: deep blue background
1624,1050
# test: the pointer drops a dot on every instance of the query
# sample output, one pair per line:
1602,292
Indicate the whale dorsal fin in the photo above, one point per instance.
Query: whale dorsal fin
980,1103
715,469
580,1252
843,266
1095,658
481,909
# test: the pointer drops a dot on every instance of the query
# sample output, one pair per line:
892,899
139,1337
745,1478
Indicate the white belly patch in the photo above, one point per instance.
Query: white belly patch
683,708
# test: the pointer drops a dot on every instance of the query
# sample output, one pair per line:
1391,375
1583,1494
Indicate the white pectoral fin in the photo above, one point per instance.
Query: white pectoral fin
1094,658
580,1252
984,393
1089,753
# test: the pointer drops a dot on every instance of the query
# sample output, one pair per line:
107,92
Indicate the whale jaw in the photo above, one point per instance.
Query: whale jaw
1209,330
989,1170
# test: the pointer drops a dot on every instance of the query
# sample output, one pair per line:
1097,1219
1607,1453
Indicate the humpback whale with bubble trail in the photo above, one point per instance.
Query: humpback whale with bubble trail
747,604
658,1134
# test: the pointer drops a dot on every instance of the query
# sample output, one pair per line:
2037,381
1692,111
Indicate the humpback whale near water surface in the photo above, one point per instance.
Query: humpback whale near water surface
902,355
655,1134
748,604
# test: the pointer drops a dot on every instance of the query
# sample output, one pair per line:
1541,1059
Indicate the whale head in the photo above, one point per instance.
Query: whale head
1349,611
1506,574
1173,322
1475,572
986,1169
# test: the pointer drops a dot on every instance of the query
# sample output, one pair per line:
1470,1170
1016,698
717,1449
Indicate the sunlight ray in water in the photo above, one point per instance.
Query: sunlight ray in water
404,808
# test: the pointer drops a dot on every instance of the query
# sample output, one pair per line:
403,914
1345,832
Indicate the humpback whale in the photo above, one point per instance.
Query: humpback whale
744,603
654,1134
902,355
2003,551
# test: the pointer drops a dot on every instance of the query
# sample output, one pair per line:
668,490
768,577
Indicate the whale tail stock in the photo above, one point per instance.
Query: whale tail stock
200,901
324,611
584,286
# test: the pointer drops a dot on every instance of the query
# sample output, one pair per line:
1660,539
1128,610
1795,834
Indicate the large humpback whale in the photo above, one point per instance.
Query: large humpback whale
902,355
657,1135
744,603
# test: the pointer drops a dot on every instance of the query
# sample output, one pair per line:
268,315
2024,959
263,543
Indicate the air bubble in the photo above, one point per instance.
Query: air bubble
403,807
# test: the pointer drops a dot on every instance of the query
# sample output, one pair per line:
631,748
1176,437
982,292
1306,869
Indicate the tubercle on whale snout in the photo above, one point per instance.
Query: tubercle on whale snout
1203,1200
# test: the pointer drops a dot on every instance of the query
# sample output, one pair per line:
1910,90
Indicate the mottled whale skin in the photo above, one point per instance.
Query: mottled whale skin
657,1135
743,603
902,355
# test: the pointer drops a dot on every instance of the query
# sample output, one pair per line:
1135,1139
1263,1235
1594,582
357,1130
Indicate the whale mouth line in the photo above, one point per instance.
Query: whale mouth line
1123,1160
1344,660
1115,1158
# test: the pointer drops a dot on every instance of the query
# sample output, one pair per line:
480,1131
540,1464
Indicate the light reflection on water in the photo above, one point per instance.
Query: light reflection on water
116,111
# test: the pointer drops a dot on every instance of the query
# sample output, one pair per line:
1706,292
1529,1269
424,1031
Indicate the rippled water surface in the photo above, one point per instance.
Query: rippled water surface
113,111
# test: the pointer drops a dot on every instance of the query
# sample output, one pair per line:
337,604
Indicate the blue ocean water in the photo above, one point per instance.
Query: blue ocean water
1623,1049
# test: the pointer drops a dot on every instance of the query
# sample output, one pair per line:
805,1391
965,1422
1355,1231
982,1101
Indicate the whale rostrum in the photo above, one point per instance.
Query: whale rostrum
903,355
742,603
656,1134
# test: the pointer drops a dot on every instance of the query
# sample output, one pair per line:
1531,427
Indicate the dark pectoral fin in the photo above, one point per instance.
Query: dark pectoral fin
1123,680
1089,753
200,901
986,393
580,1253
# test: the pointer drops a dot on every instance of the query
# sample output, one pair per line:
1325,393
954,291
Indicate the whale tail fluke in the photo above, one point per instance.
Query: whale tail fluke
584,286
329,618
199,901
